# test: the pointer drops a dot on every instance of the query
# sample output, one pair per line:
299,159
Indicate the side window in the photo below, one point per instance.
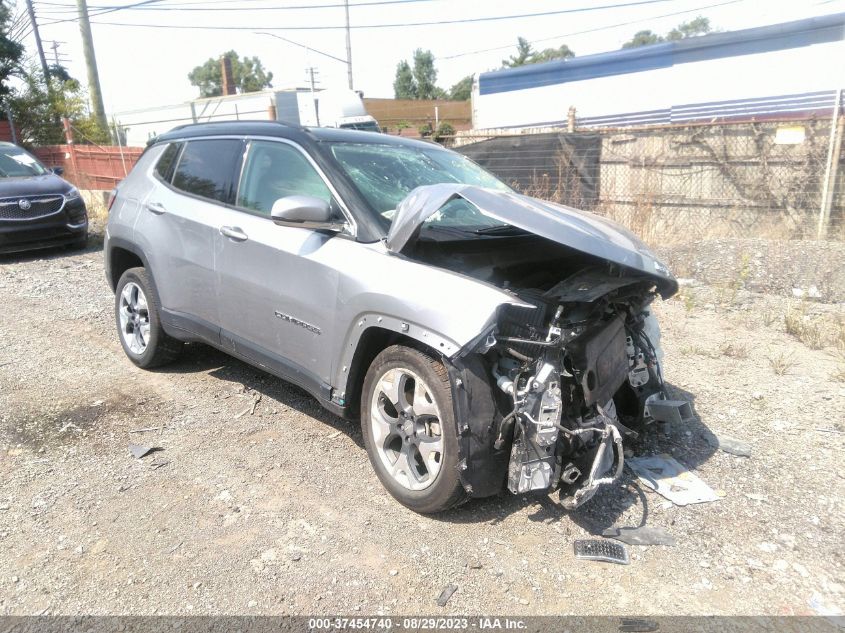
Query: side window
275,170
167,161
207,168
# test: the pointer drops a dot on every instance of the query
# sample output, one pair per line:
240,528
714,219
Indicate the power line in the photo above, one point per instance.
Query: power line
600,28
188,6
375,26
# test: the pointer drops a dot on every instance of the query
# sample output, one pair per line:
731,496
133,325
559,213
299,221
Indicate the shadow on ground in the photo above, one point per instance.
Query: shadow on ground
687,442
203,358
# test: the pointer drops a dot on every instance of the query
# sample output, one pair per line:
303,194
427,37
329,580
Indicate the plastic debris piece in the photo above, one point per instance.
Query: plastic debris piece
607,551
444,596
667,477
643,535
138,451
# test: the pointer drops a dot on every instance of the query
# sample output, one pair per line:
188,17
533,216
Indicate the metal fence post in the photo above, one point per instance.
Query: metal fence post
834,148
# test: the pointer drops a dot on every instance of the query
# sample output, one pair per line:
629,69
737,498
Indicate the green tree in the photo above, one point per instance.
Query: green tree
425,76
462,90
248,73
404,86
692,28
418,81
523,56
37,111
698,26
10,51
548,54
643,38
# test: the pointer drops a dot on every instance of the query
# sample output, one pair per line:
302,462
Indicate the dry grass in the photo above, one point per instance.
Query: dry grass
782,363
804,329
734,350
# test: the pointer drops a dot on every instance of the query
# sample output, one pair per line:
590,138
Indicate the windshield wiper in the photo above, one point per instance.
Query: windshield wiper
502,229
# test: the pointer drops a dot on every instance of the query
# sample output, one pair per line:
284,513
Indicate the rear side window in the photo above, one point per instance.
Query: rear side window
208,168
167,161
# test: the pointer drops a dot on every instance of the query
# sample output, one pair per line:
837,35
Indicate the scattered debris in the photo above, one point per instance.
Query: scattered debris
243,413
334,435
729,445
138,451
756,497
817,604
607,551
667,477
474,564
444,596
175,547
296,556
149,428
393,572
256,398
157,465
643,535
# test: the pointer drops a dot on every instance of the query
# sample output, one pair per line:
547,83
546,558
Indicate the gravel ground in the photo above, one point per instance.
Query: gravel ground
278,511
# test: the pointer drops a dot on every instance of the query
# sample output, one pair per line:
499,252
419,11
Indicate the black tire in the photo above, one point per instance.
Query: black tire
160,348
446,490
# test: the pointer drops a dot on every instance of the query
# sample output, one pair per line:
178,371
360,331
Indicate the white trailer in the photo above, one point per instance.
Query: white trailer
781,70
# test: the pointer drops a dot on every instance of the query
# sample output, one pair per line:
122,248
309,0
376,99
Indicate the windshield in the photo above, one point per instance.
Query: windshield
16,163
386,174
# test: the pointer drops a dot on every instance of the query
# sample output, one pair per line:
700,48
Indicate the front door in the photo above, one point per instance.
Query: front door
278,284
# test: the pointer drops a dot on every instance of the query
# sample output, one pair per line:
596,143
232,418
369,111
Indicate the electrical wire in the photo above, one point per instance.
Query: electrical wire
366,26
185,6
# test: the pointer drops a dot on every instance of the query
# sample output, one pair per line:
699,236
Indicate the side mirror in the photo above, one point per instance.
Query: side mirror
58,170
304,211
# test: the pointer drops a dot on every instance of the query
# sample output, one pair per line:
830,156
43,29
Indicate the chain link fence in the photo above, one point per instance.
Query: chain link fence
779,180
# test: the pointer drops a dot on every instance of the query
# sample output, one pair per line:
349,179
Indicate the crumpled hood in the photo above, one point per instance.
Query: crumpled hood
579,230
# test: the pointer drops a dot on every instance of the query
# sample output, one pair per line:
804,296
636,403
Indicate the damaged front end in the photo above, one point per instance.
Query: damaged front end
571,368
576,377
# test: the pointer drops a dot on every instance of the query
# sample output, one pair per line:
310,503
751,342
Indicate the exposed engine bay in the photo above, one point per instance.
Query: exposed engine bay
576,365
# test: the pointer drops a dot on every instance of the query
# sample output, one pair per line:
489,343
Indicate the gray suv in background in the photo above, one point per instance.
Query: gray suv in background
484,339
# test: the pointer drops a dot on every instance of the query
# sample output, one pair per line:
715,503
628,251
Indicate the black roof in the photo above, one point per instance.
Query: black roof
284,130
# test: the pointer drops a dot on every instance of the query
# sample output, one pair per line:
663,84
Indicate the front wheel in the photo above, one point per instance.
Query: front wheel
409,429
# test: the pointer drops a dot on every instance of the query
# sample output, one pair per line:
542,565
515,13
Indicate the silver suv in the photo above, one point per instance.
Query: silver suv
485,339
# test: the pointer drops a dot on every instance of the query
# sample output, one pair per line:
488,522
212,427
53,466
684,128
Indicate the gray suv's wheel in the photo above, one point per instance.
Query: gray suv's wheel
136,312
409,429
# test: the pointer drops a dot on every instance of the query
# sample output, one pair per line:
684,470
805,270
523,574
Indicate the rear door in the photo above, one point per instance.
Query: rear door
278,284
180,219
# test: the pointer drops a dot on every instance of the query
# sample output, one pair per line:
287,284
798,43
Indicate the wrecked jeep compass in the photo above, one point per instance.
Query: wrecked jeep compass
485,340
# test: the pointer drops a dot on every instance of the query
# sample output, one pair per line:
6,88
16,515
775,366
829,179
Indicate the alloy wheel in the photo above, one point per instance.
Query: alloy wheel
134,318
406,426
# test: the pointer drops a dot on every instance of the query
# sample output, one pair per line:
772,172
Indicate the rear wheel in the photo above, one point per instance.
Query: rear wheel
138,323
409,429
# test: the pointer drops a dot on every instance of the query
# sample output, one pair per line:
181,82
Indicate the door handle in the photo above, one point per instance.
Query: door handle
156,207
233,233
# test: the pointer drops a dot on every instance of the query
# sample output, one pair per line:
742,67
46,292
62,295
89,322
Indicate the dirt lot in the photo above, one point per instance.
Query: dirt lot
279,512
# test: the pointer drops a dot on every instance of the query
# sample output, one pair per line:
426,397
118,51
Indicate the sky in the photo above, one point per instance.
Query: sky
144,61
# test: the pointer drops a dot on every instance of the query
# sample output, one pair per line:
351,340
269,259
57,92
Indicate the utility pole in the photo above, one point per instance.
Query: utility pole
91,65
45,69
311,72
348,45
55,48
